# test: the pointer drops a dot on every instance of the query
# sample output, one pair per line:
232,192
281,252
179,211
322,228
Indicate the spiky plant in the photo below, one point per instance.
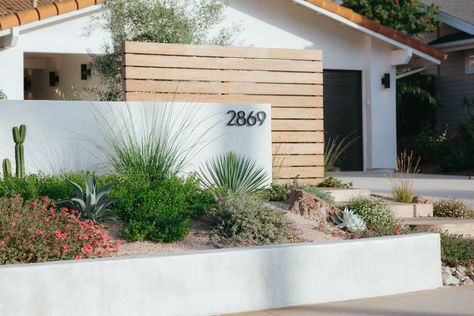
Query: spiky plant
233,173
354,223
402,180
334,148
93,204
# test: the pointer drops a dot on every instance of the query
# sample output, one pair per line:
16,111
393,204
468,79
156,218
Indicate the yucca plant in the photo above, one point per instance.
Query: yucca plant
93,204
402,180
354,223
233,173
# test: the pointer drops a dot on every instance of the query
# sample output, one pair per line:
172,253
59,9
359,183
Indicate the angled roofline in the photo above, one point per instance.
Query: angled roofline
456,22
348,17
44,12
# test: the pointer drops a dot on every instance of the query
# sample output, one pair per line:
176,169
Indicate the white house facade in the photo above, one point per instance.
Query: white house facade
357,56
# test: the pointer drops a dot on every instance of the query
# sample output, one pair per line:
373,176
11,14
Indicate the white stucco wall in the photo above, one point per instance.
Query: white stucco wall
71,136
264,23
224,281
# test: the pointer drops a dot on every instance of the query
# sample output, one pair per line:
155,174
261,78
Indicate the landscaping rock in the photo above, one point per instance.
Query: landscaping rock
468,281
419,199
309,206
450,280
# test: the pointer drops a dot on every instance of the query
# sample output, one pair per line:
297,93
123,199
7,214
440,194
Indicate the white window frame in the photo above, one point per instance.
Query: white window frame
469,58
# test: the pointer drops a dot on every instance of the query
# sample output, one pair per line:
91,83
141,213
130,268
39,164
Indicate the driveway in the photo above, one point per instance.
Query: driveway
458,301
431,186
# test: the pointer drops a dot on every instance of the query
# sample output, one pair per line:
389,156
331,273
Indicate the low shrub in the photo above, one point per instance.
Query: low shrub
378,217
335,183
159,211
320,194
35,186
38,232
457,250
277,192
452,208
245,220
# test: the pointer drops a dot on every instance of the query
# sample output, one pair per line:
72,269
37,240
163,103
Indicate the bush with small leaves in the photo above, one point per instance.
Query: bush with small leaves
457,250
452,208
335,183
378,217
245,220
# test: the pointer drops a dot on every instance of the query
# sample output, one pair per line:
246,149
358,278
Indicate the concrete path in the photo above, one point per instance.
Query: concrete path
458,301
431,186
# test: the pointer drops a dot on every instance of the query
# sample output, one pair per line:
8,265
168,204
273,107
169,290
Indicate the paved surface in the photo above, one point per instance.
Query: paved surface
458,301
431,186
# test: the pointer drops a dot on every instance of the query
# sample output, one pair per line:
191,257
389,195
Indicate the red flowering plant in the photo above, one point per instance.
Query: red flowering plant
39,232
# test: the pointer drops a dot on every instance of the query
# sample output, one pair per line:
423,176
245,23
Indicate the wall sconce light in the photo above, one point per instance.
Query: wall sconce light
386,81
53,78
85,72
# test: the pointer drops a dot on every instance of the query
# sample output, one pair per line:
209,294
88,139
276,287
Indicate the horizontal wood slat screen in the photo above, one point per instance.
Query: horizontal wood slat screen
290,80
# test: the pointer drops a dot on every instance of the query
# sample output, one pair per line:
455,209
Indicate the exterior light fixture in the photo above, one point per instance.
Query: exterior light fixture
53,78
386,81
85,72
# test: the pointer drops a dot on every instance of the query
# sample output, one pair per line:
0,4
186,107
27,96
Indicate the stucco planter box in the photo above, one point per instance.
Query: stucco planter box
345,195
224,281
410,210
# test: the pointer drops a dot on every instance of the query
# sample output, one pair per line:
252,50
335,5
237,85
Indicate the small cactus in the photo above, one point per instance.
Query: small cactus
7,168
19,135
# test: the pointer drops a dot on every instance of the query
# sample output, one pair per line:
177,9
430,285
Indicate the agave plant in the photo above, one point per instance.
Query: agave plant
92,204
232,173
353,222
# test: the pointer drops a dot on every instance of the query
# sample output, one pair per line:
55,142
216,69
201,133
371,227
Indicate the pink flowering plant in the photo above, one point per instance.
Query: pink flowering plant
38,232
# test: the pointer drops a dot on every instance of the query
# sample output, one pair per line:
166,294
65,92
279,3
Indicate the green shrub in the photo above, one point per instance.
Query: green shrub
277,192
378,217
332,182
245,220
35,186
38,232
159,211
457,250
320,194
452,208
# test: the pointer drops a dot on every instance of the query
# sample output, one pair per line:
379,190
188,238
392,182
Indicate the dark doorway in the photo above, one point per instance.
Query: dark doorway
343,114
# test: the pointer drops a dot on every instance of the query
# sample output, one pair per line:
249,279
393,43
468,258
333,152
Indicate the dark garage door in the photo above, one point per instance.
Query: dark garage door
343,114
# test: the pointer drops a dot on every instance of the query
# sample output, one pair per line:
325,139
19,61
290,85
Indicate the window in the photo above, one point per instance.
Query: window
470,62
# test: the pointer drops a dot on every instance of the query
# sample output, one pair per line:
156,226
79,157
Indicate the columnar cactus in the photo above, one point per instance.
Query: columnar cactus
19,135
7,168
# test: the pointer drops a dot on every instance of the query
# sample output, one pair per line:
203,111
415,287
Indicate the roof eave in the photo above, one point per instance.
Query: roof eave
365,30
457,23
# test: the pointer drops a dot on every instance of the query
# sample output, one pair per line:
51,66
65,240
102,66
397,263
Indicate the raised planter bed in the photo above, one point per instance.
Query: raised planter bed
345,195
411,210
224,281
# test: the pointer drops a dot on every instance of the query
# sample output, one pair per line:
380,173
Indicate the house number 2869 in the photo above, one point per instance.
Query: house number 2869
241,118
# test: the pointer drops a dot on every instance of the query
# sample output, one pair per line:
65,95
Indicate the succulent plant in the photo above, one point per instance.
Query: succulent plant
353,222
7,168
92,204
19,136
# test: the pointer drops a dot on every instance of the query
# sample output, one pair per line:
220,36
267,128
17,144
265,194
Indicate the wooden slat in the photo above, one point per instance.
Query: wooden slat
302,149
297,125
221,51
300,172
297,137
188,62
297,160
224,75
222,87
300,181
297,113
280,101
